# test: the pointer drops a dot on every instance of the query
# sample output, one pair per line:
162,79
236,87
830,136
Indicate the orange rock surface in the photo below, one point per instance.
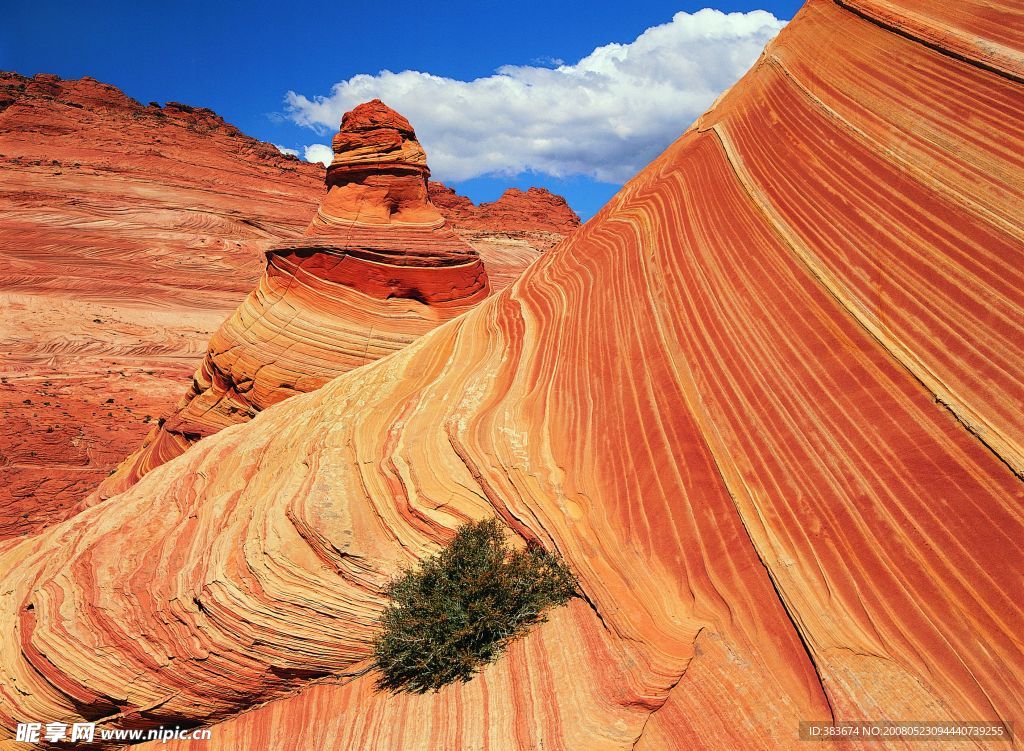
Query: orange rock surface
128,233
378,268
765,405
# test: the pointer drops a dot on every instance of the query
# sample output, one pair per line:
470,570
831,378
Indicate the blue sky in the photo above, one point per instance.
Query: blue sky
243,59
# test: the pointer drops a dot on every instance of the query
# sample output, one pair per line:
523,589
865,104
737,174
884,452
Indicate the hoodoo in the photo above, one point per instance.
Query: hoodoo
378,267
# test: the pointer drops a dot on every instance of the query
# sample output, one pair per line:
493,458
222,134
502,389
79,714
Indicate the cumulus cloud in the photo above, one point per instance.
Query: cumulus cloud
318,152
605,116
286,151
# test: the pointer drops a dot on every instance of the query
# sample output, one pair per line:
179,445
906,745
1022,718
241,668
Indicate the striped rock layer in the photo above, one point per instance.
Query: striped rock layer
378,267
765,404
128,233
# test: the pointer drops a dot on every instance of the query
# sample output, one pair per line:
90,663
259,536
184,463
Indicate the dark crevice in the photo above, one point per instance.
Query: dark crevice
785,605
796,628
586,598
771,578
671,688
934,46
969,428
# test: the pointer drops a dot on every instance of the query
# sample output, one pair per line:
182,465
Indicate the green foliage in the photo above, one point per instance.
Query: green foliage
458,610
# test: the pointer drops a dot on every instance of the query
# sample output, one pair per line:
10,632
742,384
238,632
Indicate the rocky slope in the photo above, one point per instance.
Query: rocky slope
766,404
377,268
127,234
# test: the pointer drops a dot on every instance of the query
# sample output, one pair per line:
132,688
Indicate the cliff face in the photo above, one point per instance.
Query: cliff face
766,405
128,233
377,268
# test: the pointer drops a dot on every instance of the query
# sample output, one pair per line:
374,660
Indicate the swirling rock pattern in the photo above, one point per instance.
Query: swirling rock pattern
379,268
720,400
128,233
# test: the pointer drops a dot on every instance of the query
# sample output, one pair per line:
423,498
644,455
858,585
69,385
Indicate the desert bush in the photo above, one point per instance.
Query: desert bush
457,611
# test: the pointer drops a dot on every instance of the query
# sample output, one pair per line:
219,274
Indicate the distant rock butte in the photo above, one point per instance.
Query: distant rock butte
378,267
507,232
127,234
768,405
532,209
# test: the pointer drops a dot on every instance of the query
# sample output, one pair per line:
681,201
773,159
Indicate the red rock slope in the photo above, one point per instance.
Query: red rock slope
764,404
127,234
378,268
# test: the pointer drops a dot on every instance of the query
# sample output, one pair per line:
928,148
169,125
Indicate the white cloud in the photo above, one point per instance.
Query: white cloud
606,116
318,152
286,151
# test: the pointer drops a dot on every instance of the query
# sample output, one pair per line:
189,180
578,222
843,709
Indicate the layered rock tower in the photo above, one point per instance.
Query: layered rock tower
378,267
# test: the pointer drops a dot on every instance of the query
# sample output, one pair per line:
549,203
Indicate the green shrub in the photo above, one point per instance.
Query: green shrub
458,610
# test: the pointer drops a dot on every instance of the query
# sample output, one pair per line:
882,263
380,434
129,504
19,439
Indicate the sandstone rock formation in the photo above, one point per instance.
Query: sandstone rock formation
128,233
766,405
516,210
378,268
511,232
